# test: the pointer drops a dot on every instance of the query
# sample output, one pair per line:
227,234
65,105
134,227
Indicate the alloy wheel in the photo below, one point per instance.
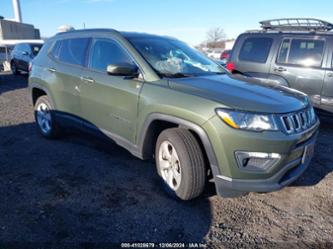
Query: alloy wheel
169,165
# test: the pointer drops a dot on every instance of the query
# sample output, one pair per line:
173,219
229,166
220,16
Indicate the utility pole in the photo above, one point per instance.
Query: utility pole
17,10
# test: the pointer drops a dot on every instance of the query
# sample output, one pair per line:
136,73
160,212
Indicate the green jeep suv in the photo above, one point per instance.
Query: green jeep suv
159,98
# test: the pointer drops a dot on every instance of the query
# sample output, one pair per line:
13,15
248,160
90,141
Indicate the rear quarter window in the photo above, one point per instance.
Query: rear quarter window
256,49
55,49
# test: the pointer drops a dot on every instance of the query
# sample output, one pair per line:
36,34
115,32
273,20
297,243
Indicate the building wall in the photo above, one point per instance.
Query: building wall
229,44
10,30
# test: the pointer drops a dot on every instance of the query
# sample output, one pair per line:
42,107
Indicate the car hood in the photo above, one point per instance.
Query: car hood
242,93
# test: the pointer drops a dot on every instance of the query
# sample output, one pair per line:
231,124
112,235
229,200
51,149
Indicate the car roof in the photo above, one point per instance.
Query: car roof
125,34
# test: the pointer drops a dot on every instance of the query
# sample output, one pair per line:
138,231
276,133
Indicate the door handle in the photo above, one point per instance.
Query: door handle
52,70
330,75
88,80
280,69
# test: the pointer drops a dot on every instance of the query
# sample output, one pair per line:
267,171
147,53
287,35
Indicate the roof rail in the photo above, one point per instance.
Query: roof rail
296,24
86,30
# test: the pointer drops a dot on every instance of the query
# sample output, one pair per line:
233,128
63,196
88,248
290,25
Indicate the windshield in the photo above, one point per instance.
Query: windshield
173,58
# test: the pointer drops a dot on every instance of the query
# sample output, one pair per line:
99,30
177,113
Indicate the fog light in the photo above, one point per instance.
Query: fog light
256,161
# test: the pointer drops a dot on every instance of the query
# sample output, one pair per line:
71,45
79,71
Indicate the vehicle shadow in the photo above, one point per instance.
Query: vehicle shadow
79,190
16,82
322,162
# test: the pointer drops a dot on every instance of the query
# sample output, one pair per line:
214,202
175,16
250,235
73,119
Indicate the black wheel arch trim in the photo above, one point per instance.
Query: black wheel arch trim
144,134
33,86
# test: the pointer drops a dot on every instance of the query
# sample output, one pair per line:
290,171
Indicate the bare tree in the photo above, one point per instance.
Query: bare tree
215,36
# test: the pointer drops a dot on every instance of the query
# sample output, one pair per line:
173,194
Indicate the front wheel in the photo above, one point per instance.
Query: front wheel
180,163
45,118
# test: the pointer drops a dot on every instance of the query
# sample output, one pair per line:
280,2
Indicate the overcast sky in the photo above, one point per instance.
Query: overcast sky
187,20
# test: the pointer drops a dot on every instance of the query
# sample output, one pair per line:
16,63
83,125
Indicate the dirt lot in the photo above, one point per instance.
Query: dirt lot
81,192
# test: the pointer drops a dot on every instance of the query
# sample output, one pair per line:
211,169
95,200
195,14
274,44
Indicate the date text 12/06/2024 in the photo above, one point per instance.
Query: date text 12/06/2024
163,245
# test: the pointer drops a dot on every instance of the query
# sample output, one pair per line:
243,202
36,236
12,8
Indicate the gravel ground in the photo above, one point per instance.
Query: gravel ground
83,192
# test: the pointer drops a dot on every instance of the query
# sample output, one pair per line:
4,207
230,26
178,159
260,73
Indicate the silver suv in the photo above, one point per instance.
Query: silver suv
296,53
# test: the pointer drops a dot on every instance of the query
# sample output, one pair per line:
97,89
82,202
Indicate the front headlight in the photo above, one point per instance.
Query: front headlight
247,120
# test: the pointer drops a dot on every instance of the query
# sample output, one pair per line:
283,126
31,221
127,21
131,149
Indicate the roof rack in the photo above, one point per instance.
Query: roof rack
296,24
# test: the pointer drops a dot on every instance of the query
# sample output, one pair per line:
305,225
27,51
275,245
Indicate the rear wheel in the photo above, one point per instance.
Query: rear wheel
180,163
14,69
45,118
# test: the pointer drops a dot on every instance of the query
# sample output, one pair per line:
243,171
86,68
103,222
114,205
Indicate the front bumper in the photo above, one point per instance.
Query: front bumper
228,187
232,181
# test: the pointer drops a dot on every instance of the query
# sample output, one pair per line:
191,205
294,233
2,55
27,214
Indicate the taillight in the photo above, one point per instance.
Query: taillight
231,66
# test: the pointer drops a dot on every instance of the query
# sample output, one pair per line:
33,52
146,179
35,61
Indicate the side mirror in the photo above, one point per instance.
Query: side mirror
124,69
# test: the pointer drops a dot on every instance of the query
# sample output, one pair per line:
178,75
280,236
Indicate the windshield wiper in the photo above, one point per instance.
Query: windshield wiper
176,75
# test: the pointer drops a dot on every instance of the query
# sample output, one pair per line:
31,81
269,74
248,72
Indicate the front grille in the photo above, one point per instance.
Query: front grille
296,122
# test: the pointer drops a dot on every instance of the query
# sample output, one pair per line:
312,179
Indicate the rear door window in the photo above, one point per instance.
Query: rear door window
106,52
73,51
256,49
301,52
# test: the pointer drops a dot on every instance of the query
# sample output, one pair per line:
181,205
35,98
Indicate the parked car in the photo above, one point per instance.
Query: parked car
22,55
225,54
224,57
214,54
292,52
158,97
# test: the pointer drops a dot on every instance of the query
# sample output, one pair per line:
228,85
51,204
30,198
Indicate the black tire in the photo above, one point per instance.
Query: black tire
14,69
191,162
54,131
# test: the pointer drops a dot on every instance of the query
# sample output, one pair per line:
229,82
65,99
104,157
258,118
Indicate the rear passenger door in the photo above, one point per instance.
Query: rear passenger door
68,57
109,102
254,56
299,63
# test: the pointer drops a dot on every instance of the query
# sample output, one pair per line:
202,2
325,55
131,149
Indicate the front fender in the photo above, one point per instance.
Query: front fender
143,139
